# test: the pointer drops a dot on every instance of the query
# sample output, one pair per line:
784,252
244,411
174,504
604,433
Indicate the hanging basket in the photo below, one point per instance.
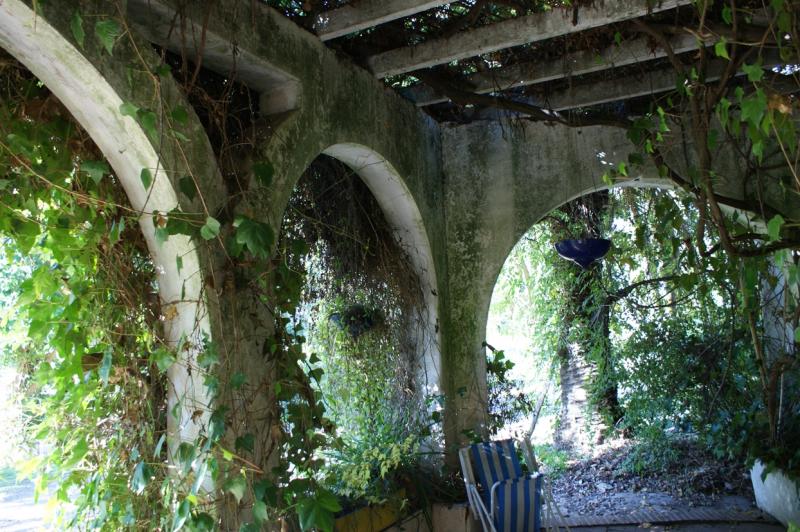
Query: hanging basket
583,251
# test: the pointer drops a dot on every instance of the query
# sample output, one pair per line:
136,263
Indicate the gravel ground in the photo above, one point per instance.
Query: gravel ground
600,485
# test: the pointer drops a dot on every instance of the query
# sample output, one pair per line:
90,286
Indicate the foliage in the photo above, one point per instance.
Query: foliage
359,302
93,355
552,460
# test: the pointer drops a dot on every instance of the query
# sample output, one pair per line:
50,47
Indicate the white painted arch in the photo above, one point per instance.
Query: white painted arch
95,104
403,215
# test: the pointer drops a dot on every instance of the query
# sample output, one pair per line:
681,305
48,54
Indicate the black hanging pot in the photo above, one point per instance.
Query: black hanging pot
583,251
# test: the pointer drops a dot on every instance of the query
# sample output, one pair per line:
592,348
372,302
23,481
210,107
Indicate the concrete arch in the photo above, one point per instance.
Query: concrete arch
403,214
90,89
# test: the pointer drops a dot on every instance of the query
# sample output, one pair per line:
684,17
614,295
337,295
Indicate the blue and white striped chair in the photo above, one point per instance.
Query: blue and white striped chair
500,495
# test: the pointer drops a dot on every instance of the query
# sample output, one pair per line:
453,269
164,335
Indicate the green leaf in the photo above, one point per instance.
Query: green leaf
95,170
163,70
107,32
181,515
237,380
128,109
187,187
211,229
264,171
721,48
105,367
774,227
149,122
76,26
260,512
727,15
202,522
116,231
209,356
180,115
163,359
246,442
318,512
141,476
797,335
236,486
179,263
754,72
147,178
257,237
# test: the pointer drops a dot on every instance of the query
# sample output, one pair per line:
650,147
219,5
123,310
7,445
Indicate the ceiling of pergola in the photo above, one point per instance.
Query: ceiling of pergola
593,56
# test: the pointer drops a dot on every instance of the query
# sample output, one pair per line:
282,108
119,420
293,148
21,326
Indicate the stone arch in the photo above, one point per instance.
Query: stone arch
93,88
403,214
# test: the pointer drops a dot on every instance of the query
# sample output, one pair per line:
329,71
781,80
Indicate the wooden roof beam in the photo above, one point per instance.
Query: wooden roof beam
367,13
509,33
614,90
628,52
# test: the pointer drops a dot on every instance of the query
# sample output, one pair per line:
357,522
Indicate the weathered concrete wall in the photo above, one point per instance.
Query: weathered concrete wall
339,109
501,178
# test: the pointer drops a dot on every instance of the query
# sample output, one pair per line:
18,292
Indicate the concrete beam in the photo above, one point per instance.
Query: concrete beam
158,23
368,13
512,32
574,64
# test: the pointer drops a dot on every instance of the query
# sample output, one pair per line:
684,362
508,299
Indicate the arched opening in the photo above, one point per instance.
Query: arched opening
95,104
367,314
641,363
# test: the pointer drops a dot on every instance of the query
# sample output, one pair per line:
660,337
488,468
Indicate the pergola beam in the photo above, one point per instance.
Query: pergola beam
367,13
629,52
653,82
509,33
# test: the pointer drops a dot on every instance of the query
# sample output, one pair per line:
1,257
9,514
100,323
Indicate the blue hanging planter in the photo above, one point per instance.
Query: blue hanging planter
583,251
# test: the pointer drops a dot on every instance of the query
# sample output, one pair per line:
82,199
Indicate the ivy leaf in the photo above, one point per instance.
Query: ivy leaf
107,31
210,230
317,512
754,72
116,230
264,171
95,170
128,109
721,48
260,512
147,178
237,380
257,237
163,70
76,26
141,476
202,522
180,115
727,15
149,122
246,442
774,227
181,515
187,187
235,486
208,357
163,359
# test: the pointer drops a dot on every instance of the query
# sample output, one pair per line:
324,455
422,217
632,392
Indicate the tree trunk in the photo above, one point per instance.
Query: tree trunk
589,400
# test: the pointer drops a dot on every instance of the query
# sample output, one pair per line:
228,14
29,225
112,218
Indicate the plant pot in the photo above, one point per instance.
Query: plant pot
583,251
778,495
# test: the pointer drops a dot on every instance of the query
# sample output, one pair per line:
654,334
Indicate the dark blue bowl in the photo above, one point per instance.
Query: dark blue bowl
583,251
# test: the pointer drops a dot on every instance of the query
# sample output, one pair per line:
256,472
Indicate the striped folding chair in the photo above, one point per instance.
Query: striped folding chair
499,494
